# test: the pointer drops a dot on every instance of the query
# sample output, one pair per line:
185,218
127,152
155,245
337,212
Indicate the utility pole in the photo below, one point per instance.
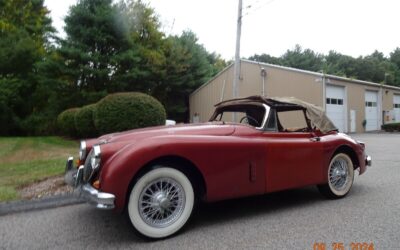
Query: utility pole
236,71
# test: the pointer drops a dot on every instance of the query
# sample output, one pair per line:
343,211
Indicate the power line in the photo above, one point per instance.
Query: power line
253,8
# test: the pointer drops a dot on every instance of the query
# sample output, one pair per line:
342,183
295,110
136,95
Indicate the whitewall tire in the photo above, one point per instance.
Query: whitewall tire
161,202
340,177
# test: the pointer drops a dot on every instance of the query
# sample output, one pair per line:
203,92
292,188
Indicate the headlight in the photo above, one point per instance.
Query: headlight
82,150
96,157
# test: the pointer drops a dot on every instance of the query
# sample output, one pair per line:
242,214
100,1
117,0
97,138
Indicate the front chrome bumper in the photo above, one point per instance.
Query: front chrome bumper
73,177
368,161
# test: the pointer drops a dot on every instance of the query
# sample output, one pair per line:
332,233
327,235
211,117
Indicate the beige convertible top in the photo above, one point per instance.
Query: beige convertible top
314,113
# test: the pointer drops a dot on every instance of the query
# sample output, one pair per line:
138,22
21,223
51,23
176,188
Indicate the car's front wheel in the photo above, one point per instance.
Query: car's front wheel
340,177
161,202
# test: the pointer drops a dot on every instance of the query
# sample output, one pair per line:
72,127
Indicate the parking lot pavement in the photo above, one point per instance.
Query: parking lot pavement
296,219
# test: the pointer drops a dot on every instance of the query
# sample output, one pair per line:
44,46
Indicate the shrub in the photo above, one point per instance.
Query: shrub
39,124
390,127
84,123
66,122
123,111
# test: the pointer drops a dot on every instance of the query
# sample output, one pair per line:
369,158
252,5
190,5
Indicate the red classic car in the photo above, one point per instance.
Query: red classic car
158,174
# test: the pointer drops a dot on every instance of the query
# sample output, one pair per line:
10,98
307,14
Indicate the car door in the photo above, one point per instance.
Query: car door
293,158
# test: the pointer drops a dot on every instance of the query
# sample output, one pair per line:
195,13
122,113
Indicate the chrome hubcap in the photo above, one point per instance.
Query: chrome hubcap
161,202
338,174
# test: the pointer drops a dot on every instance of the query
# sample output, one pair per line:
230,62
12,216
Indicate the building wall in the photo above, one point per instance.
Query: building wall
282,81
202,101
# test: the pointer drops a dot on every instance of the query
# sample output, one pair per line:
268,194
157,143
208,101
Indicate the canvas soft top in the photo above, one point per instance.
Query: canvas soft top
314,113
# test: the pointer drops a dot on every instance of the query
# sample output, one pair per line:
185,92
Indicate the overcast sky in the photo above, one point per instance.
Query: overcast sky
351,27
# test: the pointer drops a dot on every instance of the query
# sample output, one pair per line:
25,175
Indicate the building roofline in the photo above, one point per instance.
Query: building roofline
284,67
212,79
334,77
373,84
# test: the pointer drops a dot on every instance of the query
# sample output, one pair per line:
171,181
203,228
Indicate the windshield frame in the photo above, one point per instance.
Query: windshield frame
220,110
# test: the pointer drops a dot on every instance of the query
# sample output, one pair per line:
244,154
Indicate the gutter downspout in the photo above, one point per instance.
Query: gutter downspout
263,75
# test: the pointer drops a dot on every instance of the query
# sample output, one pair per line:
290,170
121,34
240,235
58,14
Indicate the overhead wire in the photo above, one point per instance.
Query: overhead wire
253,8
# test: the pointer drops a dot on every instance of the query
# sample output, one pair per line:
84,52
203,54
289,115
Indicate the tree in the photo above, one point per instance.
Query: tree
395,60
92,44
143,65
266,58
25,30
189,65
375,67
302,59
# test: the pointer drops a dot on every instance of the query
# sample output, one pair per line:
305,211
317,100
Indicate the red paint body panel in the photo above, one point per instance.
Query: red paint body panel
235,160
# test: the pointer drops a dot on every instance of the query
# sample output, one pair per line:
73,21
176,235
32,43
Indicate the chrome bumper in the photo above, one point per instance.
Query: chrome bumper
368,161
73,177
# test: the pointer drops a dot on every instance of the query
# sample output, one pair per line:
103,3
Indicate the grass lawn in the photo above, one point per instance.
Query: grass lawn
25,160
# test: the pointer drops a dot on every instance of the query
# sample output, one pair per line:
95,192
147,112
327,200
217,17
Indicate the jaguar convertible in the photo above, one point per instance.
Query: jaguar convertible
250,146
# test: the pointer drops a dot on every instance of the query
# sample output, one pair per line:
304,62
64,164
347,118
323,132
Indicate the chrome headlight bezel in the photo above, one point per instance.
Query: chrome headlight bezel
95,160
82,150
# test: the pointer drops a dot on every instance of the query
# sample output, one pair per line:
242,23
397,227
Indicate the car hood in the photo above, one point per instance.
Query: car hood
210,128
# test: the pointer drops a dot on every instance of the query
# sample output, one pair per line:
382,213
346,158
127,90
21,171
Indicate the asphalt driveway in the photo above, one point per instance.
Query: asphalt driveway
287,220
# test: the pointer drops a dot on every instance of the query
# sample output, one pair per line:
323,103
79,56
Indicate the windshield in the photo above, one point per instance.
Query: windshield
252,115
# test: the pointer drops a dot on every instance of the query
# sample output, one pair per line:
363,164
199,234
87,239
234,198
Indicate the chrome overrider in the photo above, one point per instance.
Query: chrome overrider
74,177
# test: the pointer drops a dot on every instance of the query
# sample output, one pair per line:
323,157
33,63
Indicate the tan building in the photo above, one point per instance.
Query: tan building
353,105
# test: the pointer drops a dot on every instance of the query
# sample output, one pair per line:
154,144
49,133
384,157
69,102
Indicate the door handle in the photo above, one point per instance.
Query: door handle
315,139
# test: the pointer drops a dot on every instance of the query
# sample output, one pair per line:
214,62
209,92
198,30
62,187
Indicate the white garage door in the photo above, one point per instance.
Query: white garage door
396,107
335,108
371,110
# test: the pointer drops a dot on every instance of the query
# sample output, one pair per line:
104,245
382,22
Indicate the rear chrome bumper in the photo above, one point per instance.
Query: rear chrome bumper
73,177
368,161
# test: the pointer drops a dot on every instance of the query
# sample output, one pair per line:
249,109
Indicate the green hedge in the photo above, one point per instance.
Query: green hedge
84,123
39,124
123,111
66,122
390,127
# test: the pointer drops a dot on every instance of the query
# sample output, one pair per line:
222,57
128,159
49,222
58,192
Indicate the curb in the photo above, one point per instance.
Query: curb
38,204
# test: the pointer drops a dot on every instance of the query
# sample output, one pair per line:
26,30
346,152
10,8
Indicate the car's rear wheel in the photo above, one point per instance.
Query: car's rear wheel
161,202
340,177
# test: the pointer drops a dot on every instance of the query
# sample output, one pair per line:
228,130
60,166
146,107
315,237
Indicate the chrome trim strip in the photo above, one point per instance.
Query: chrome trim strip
267,109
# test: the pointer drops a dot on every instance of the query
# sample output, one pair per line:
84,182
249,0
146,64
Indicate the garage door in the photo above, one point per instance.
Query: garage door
371,110
335,108
396,107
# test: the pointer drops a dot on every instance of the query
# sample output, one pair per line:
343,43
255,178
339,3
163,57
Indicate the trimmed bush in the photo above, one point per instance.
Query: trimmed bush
124,111
66,122
84,123
39,124
390,127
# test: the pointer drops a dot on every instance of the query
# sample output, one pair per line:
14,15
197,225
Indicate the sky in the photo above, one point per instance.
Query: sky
351,27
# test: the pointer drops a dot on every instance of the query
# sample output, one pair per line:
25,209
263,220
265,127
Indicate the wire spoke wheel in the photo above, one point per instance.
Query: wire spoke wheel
340,177
160,202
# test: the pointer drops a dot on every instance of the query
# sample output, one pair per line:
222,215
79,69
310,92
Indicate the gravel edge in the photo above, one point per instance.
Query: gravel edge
38,204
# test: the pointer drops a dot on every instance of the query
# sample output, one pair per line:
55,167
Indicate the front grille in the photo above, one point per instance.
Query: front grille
88,170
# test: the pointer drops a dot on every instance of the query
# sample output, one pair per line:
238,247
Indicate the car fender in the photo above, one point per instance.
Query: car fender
221,182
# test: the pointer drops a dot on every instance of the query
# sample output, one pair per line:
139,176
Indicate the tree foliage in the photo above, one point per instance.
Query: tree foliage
374,67
189,65
25,31
118,46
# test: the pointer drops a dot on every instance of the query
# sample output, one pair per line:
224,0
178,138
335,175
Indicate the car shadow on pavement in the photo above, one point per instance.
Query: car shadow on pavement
209,214
117,228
